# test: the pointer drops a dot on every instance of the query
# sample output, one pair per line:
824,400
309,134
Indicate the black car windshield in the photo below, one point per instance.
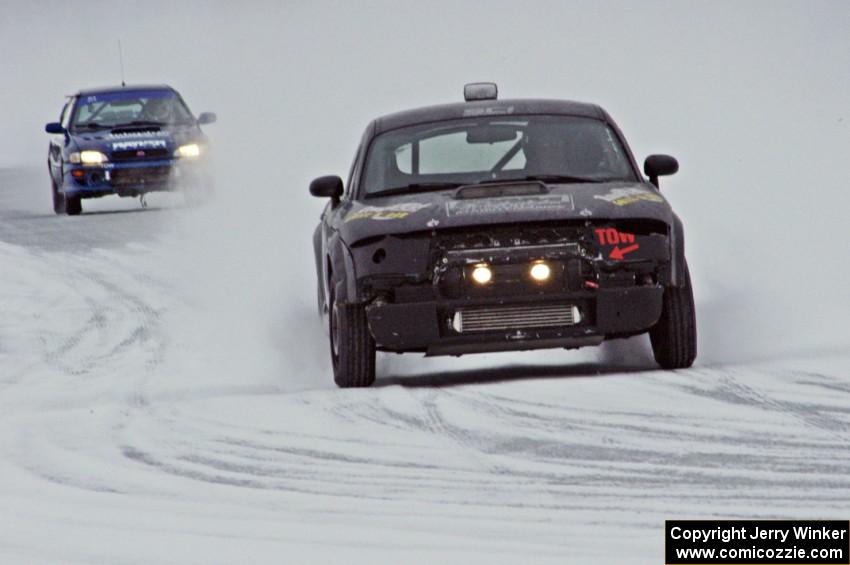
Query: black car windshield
485,149
129,108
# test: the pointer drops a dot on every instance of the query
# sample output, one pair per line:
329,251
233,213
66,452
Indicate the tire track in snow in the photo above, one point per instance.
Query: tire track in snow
512,455
117,322
733,388
509,466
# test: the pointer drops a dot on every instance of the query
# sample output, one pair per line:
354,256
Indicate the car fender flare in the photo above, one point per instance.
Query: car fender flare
318,257
342,265
677,252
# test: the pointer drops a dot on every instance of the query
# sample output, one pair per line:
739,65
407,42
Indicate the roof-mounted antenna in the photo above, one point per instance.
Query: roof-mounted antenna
121,59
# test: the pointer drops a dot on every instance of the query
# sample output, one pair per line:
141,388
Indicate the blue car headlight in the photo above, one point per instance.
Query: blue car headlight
88,157
189,150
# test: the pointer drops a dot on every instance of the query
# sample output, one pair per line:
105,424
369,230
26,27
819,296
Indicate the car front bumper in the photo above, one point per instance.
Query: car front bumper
430,326
130,178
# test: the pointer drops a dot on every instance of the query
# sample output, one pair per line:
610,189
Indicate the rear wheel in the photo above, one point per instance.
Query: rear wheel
674,337
73,205
352,346
58,198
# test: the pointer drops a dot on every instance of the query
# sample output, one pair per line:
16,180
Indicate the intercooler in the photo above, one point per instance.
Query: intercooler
498,318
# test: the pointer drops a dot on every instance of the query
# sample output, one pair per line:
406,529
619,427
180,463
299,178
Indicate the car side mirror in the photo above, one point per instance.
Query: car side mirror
658,166
207,118
327,187
54,127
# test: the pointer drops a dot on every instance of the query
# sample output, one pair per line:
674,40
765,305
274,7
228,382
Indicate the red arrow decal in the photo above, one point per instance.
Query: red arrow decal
617,253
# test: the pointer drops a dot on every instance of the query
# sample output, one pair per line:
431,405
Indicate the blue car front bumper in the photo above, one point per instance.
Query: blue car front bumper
129,179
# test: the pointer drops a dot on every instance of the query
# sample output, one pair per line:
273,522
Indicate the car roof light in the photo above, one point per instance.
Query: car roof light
480,91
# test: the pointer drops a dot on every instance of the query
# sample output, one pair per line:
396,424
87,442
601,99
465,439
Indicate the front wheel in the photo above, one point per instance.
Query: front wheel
73,205
352,346
58,198
320,301
674,337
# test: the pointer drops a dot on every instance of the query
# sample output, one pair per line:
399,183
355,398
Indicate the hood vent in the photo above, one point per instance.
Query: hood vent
135,129
490,190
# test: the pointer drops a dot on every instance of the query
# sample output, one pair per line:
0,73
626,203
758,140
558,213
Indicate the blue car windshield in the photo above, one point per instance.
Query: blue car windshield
130,108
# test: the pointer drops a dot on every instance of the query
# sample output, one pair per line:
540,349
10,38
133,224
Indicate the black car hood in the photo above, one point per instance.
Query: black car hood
452,209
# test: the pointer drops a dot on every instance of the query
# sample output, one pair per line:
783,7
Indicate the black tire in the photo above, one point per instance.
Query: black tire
73,205
352,346
58,198
674,337
320,300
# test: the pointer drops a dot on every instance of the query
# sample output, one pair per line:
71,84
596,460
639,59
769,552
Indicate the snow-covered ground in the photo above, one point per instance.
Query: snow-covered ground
149,414
165,394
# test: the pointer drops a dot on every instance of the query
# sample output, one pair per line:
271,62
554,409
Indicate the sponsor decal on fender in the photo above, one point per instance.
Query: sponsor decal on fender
393,212
626,196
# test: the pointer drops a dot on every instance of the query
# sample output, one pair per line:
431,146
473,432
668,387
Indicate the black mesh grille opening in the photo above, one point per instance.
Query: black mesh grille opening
140,176
139,154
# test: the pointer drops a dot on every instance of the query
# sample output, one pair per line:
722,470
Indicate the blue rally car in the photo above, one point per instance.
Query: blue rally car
126,140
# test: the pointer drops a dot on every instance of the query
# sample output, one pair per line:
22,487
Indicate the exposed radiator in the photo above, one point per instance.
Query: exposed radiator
498,318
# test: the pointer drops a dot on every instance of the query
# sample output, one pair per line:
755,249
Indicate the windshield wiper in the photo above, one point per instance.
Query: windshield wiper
415,187
138,123
91,125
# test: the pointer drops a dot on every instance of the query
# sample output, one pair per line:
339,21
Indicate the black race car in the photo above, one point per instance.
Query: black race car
126,140
496,225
